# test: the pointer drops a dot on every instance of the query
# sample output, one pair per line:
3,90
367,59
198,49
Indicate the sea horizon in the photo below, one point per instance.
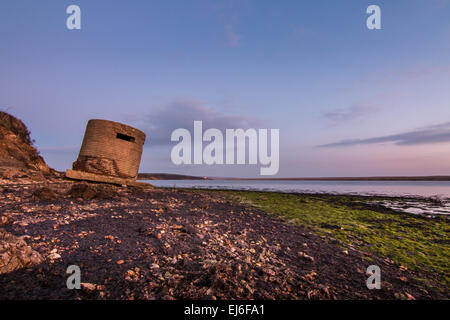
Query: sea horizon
426,189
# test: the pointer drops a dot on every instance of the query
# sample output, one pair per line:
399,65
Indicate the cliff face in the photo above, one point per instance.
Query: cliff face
18,157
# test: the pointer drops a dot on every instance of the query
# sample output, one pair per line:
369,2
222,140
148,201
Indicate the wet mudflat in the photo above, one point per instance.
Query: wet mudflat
181,244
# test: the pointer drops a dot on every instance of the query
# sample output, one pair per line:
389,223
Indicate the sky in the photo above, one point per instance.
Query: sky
348,101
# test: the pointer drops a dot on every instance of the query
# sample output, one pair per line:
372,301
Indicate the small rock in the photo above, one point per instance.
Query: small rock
305,256
270,272
88,287
131,275
310,276
54,256
5,220
410,296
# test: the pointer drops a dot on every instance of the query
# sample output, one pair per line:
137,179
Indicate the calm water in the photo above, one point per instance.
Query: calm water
419,189
439,189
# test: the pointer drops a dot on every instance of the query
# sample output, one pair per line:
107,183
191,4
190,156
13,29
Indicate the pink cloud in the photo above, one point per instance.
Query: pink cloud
233,39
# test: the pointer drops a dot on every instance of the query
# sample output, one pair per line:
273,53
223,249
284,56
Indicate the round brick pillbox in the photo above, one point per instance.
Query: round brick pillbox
110,148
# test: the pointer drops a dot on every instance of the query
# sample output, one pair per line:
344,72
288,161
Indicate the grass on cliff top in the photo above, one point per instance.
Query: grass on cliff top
415,242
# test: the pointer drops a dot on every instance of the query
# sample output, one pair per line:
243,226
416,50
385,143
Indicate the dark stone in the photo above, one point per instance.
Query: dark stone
44,194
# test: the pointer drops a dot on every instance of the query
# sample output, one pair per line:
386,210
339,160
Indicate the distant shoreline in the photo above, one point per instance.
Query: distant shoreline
170,176
418,178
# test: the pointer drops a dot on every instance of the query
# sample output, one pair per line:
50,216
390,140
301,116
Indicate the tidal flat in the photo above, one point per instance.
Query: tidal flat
378,225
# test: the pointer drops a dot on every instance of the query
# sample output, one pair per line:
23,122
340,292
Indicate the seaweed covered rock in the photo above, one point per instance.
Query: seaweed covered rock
45,194
92,191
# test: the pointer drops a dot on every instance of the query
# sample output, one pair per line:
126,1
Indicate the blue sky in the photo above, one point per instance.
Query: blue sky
310,68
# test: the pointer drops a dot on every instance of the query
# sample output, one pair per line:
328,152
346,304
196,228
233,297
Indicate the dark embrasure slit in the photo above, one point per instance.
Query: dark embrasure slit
125,137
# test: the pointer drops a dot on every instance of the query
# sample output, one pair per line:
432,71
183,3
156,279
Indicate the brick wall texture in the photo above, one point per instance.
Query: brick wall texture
110,148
